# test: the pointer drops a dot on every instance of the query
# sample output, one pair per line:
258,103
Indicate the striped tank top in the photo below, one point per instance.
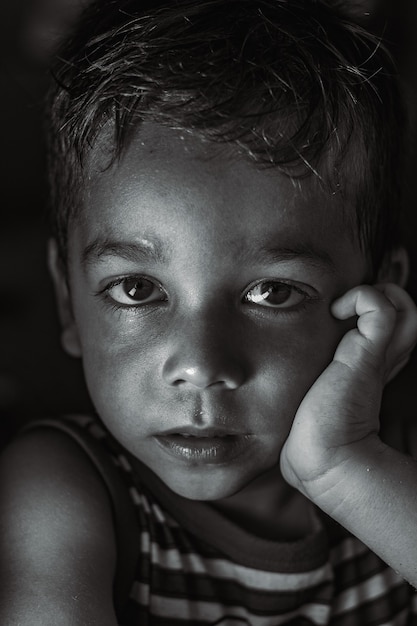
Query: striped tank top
180,562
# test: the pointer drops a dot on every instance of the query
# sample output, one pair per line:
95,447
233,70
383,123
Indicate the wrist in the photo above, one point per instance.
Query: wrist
344,474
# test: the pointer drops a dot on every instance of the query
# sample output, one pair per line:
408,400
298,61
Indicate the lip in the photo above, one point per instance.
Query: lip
195,431
204,446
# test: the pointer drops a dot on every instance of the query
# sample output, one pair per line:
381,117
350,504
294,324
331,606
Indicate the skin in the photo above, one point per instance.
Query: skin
348,471
298,373
204,357
301,372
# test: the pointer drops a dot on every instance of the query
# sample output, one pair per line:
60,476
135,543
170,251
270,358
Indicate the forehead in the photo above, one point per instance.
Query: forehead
170,186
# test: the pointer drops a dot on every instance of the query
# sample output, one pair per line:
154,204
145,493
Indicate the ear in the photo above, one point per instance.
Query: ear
69,334
395,267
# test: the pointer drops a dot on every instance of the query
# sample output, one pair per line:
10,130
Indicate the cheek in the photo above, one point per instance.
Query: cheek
120,362
109,338
123,364
291,361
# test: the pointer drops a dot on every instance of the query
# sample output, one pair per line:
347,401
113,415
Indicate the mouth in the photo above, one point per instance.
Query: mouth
201,433
204,446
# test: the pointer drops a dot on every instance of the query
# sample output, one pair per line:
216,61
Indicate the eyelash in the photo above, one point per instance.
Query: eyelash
299,307
104,294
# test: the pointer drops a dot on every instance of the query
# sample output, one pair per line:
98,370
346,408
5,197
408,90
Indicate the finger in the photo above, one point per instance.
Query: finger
376,314
401,300
405,333
404,338
394,342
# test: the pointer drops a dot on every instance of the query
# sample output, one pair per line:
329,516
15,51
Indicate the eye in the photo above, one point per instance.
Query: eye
135,290
275,294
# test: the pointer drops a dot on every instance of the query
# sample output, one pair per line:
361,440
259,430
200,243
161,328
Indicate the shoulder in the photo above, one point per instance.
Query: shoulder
59,547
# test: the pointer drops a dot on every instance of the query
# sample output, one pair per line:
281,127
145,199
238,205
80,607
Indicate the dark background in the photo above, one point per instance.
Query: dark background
36,377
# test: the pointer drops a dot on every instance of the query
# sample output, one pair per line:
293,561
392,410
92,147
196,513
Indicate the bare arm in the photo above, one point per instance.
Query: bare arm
334,454
373,493
57,541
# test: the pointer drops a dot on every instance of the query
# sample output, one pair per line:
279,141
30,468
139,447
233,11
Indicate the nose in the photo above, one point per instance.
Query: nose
205,354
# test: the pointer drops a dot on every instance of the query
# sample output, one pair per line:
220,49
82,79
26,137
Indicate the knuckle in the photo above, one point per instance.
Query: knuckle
373,298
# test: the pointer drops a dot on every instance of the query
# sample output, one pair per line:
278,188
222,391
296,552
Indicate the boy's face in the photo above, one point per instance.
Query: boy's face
200,290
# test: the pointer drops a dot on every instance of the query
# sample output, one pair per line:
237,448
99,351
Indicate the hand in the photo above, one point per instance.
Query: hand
342,407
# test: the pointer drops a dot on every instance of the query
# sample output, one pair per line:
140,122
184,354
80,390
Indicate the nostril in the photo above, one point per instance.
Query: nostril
179,382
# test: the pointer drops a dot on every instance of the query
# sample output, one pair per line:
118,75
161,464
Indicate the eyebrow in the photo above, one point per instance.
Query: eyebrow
145,249
307,252
152,250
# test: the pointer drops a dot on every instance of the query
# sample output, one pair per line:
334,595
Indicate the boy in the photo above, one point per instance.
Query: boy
227,266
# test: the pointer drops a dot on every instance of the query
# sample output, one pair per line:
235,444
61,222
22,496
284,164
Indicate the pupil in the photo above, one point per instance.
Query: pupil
139,289
277,293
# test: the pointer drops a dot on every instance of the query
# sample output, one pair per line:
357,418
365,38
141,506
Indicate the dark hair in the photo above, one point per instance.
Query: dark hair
290,84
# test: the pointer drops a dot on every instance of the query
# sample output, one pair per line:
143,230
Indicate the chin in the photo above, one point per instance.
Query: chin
206,486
